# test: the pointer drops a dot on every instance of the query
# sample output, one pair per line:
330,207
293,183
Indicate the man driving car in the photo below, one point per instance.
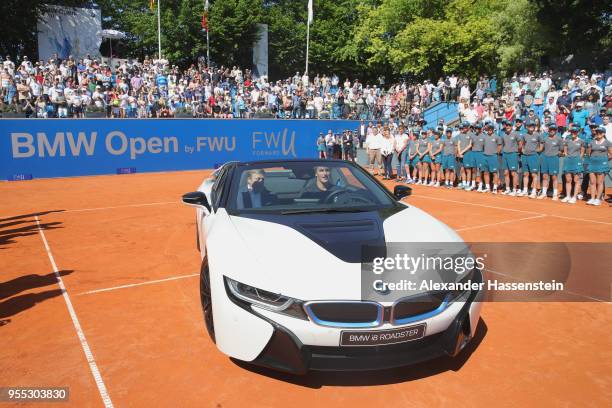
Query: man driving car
321,182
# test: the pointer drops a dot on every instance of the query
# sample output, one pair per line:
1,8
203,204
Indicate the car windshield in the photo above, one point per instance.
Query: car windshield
304,187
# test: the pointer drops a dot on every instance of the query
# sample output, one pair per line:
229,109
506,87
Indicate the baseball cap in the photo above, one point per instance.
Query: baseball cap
601,129
449,129
519,120
530,123
552,126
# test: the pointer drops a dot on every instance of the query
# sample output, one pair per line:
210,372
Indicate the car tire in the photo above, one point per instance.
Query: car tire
206,300
197,235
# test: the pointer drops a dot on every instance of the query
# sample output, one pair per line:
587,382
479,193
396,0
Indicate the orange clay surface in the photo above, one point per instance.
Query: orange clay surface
149,341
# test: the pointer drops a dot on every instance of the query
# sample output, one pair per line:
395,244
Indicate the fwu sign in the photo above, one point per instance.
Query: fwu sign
76,147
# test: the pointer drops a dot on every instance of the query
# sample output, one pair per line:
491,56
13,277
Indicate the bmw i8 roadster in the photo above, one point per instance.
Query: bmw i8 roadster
282,273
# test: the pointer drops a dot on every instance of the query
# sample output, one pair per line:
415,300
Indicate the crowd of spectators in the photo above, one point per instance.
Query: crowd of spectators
155,88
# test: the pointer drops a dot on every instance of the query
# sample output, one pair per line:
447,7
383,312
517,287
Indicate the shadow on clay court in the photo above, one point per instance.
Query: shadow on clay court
17,304
22,226
318,379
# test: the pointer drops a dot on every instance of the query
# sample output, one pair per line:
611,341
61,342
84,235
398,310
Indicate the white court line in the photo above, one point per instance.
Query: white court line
77,326
121,206
514,209
500,223
476,204
564,290
581,219
138,284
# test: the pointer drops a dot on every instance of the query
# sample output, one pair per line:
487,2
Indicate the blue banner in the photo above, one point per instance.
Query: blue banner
41,148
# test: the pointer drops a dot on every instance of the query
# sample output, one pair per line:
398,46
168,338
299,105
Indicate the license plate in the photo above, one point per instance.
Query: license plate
382,337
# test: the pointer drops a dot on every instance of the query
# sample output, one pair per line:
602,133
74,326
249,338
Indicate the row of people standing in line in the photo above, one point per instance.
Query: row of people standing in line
472,159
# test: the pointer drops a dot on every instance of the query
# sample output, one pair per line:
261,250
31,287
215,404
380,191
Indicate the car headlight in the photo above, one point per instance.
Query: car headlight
264,299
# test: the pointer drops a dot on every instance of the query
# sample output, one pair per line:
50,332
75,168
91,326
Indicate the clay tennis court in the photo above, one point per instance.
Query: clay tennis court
134,335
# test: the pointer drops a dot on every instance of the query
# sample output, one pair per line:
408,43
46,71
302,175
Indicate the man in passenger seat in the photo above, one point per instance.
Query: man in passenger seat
254,194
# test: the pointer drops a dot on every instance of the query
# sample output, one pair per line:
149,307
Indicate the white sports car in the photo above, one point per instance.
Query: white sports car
281,279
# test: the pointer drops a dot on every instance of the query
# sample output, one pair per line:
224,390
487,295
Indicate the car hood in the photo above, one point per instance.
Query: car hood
316,256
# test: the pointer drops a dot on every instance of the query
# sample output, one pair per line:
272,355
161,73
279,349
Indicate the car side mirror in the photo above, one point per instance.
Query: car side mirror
401,191
197,199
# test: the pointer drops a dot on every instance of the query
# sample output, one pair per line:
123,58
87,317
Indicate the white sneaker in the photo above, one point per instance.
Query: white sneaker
572,200
533,194
505,192
580,196
494,191
468,188
513,194
555,198
597,202
418,182
566,199
591,201
437,184
486,190
541,196
521,193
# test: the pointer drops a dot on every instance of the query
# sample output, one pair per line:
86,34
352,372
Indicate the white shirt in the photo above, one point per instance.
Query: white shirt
608,131
35,87
401,141
387,145
470,115
374,141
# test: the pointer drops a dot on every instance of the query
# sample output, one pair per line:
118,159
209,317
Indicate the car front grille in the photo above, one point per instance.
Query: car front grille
366,314
345,313
418,307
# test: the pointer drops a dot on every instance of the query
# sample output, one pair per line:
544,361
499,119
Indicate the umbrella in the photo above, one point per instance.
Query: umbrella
112,35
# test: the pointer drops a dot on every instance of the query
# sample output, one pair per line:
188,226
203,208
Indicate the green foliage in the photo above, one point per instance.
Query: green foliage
354,38
429,39
582,27
330,37
232,25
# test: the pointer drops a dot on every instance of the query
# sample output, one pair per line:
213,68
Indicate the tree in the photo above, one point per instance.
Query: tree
427,39
232,25
330,37
577,27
